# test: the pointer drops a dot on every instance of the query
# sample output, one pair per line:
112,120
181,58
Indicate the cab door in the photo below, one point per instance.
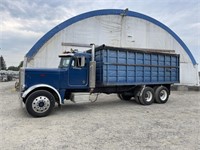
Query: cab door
78,72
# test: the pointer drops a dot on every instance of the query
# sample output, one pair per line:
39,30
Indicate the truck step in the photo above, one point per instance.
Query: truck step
84,97
80,97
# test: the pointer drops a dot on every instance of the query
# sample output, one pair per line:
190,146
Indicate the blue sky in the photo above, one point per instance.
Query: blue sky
23,22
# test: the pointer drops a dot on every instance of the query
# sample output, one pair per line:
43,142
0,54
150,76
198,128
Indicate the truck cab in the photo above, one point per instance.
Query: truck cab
42,87
75,68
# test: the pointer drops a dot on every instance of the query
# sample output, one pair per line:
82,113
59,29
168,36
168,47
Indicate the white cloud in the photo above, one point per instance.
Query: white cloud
23,22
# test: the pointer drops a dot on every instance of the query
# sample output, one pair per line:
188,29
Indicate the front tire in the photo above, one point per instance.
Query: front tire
40,103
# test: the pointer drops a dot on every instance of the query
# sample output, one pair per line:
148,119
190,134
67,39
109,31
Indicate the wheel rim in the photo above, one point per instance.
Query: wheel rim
148,96
163,95
41,104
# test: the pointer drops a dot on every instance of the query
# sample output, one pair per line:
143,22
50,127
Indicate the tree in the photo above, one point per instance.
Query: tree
20,65
2,63
13,68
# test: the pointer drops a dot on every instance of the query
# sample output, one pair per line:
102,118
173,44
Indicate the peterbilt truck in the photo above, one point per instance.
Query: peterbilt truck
143,75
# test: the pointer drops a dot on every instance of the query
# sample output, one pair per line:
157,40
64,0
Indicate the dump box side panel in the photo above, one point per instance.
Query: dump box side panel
124,67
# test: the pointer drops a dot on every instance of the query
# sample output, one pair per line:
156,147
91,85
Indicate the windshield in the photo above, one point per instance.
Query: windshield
64,62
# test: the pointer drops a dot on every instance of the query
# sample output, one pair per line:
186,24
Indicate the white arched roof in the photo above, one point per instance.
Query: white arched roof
112,27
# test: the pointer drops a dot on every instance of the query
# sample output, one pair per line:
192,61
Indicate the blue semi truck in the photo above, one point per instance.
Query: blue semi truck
144,75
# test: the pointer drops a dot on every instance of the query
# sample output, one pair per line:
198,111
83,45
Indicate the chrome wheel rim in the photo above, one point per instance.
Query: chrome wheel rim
41,104
163,95
148,96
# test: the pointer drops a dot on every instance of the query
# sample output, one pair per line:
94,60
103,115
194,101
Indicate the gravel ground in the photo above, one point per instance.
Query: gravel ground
108,123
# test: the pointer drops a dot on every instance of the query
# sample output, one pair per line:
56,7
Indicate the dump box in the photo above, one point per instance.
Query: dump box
121,66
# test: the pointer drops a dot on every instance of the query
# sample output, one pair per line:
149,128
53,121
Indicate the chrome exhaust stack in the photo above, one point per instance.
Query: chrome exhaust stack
92,76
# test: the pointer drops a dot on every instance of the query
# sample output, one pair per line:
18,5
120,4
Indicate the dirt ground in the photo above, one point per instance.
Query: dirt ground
106,124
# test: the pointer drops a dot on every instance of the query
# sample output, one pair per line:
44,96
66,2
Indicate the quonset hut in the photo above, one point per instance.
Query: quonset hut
113,27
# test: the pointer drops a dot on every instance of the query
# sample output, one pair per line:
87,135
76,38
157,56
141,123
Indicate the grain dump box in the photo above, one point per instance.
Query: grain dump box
120,66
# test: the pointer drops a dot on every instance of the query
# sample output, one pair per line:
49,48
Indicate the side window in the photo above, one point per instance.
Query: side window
78,62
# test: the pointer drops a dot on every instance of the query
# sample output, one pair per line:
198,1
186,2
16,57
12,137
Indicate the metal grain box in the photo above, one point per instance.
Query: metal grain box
119,66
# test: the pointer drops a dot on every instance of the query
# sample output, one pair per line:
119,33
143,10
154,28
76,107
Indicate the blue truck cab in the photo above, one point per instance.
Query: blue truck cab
143,75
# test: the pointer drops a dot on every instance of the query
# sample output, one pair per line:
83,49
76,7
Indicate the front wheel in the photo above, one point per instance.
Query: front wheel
40,103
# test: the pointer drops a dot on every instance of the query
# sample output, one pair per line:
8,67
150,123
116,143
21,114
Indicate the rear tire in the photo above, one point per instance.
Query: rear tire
161,94
147,96
40,103
124,97
137,100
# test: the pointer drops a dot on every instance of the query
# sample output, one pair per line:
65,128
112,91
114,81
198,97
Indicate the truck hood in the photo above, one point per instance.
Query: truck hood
35,76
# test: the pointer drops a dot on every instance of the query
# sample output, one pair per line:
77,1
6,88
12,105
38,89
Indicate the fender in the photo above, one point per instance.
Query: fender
38,86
